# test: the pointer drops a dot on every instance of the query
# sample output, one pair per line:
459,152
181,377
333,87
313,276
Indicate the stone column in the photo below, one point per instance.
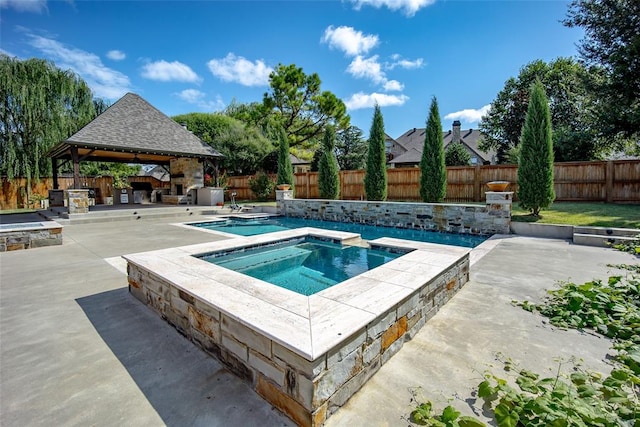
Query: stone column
282,195
499,207
77,201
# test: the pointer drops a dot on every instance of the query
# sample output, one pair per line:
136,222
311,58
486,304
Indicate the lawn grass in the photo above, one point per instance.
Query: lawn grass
584,214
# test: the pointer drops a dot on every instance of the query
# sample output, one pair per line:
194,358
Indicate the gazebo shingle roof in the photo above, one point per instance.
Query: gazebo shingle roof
132,124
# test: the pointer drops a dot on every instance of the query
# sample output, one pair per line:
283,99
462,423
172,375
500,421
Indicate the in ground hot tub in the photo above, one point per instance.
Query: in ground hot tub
306,355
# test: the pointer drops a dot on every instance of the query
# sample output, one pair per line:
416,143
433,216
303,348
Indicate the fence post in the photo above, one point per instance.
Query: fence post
609,182
477,190
308,195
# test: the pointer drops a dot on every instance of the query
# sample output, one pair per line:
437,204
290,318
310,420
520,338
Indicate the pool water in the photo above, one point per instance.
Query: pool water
305,267
251,227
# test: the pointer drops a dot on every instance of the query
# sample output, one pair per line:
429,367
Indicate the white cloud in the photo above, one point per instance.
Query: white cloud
368,68
105,82
469,115
348,40
35,6
393,85
196,97
404,63
240,70
408,7
169,71
362,100
116,55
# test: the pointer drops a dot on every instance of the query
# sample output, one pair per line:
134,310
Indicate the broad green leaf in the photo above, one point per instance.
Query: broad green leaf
449,414
486,391
467,421
505,417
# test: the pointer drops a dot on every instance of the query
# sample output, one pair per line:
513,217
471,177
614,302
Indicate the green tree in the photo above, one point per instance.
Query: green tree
433,171
612,41
300,107
285,169
328,176
535,166
40,105
351,148
456,155
243,146
375,177
572,104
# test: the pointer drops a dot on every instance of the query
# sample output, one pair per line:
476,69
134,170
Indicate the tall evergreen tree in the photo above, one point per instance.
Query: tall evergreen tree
535,165
433,176
40,105
328,177
375,178
285,169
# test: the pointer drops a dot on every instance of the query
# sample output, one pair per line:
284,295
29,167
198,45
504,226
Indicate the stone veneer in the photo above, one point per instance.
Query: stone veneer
305,355
77,200
30,235
186,172
491,218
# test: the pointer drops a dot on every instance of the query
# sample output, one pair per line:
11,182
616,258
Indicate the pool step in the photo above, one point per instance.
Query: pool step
243,263
603,236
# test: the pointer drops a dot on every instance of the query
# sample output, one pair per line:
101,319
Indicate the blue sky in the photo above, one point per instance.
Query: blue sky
186,56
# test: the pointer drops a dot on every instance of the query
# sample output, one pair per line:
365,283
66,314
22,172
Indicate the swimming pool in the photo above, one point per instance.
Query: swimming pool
255,226
305,266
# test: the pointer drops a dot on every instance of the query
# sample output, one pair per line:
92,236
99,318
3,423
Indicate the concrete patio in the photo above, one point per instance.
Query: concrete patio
77,349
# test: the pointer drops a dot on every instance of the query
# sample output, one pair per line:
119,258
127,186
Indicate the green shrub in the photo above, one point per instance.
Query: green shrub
285,169
433,176
375,178
261,185
456,155
535,164
328,177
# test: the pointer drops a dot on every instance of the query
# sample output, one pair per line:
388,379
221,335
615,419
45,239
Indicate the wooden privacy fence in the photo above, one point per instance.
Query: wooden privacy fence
614,181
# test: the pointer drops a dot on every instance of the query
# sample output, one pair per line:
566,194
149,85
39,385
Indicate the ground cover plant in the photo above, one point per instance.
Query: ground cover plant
580,397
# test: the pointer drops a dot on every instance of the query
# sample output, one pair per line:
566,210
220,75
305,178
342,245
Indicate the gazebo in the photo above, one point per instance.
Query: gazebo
134,131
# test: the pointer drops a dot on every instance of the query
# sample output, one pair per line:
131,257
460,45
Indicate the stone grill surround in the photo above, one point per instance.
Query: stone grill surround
305,355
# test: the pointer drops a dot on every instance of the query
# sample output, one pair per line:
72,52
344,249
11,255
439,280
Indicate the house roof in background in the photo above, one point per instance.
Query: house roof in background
413,141
298,161
132,125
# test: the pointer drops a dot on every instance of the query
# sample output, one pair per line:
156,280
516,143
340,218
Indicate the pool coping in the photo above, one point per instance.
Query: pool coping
310,326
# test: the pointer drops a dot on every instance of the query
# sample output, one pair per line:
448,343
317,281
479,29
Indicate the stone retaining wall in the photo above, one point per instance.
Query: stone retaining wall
23,237
492,218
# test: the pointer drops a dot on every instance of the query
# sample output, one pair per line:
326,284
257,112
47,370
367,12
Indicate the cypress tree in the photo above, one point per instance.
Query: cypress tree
328,177
535,163
375,178
285,169
433,172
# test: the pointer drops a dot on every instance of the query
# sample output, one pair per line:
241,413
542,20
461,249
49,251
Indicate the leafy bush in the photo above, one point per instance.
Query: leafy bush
262,186
456,155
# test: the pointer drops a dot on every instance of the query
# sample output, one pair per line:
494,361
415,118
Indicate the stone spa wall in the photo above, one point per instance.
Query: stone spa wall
492,218
308,390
